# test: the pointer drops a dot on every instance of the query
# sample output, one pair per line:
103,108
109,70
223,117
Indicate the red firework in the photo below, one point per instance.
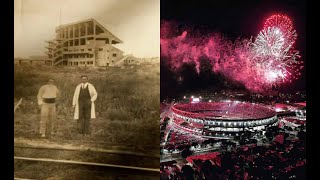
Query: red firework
281,21
285,25
282,59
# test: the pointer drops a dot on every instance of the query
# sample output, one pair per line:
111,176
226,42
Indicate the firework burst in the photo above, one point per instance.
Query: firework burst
273,49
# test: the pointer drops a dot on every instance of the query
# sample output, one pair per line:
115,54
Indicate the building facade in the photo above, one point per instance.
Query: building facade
33,60
84,43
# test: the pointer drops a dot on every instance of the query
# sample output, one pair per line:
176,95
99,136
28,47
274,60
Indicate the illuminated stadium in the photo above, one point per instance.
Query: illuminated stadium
221,119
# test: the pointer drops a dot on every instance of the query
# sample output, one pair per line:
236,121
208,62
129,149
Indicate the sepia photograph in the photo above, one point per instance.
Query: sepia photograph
86,89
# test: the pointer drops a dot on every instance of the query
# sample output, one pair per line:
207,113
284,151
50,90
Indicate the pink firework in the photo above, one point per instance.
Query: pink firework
284,26
282,22
281,27
273,49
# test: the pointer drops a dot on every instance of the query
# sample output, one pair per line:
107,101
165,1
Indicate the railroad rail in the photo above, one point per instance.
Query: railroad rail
29,152
70,147
84,149
85,163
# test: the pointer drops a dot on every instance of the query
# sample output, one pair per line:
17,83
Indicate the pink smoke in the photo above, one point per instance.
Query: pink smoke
234,60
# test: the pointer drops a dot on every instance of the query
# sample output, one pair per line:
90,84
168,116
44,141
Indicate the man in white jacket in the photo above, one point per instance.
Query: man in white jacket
83,102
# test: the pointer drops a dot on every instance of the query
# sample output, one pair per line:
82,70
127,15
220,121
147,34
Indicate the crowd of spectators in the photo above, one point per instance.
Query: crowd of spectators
275,161
179,140
281,158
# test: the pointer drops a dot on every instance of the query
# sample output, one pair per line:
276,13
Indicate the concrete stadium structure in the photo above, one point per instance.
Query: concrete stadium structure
84,43
221,119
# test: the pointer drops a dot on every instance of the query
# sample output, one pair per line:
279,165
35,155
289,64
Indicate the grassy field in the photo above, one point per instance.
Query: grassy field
127,106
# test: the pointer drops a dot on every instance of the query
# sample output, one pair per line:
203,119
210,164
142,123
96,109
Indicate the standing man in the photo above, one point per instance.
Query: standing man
83,102
47,101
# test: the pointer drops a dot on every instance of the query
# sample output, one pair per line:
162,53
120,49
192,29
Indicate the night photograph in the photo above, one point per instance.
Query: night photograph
232,90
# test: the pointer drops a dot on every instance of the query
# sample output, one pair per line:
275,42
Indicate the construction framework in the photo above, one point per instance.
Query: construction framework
83,43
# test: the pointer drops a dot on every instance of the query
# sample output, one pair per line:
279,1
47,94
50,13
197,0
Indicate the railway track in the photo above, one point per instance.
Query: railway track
85,163
60,163
83,149
77,145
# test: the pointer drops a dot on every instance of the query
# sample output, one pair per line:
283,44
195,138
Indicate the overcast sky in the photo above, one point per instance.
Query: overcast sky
135,22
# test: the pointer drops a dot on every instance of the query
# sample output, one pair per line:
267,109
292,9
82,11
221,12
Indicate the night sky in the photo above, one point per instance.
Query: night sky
235,19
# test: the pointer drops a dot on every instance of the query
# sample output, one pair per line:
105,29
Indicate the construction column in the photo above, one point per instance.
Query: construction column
94,41
73,35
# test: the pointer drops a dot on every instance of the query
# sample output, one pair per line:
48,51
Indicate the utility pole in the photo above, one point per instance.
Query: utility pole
60,17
